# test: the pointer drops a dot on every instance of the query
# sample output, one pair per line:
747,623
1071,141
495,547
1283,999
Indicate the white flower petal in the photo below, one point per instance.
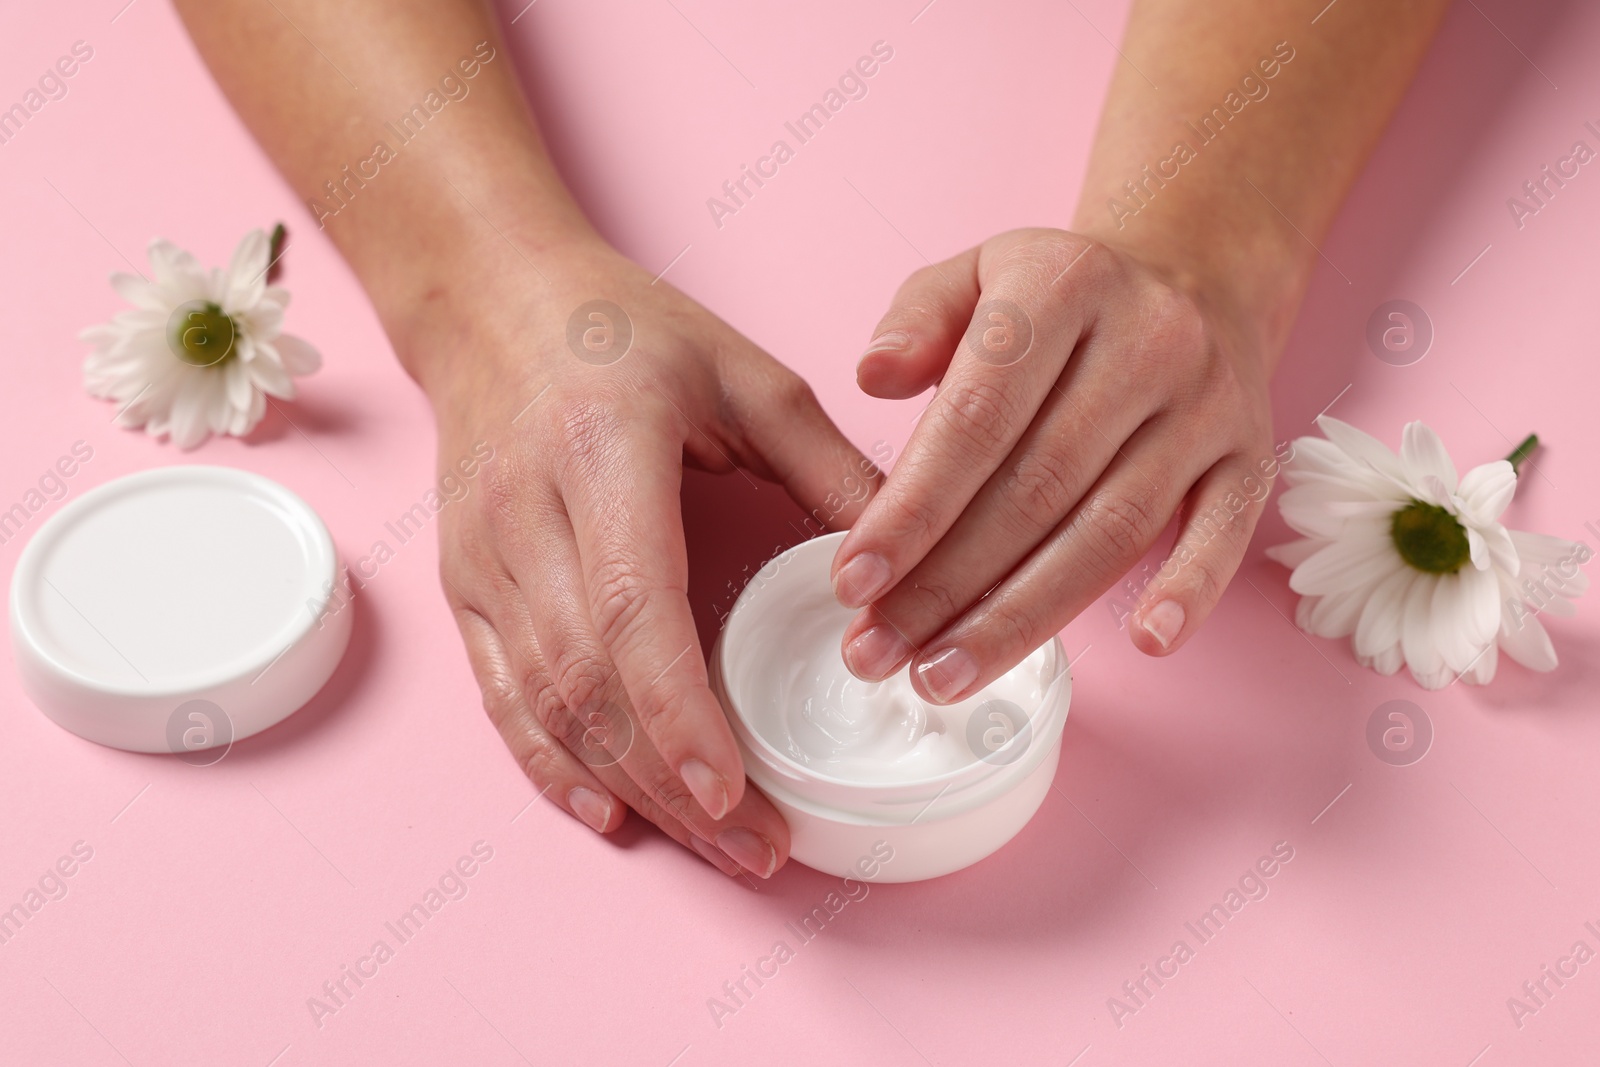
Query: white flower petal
1525,640
270,377
1422,451
1503,553
1487,489
1303,610
1418,642
1385,662
1480,605
1336,614
247,273
298,358
1344,564
1437,678
263,322
1445,624
1293,553
190,417
1465,616
1430,489
138,292
1542,549
1482,672
178,275
1477,549
1364,448
1379,627
240,389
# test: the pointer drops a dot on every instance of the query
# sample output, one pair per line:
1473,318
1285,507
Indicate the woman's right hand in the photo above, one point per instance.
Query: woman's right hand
565,564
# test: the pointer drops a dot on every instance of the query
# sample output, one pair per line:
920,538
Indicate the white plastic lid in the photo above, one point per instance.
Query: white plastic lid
178,610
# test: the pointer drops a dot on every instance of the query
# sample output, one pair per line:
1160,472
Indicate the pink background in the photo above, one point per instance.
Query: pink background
218,899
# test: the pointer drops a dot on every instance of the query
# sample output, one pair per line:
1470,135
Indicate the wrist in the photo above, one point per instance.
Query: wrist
478,328
1247,277
462,284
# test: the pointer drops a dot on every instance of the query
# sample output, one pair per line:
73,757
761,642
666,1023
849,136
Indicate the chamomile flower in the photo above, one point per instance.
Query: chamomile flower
1412,561
200,351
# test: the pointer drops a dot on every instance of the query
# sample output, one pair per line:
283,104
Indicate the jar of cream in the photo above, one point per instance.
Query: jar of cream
851,764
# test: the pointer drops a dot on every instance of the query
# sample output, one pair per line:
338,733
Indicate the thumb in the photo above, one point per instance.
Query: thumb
790,440
917,337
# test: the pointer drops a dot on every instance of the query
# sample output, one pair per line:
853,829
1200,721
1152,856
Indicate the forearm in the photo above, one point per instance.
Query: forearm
1241,151
338,95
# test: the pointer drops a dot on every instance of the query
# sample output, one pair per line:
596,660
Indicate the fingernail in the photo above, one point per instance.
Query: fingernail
863,578
893,341
875,653
749,850
1163,622
591,807
947,674
714,856
707,786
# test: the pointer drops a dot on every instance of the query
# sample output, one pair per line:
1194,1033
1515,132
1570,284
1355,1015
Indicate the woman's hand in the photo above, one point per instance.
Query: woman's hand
565,565
1082,401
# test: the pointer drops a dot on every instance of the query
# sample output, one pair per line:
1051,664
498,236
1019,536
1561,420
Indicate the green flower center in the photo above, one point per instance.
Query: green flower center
200,334
1430,538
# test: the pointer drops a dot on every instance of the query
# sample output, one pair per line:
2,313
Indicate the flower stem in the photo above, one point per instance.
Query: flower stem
1523,451
274,251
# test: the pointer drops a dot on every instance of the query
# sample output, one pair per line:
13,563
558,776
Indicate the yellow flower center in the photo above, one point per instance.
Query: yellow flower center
1429,538
200,334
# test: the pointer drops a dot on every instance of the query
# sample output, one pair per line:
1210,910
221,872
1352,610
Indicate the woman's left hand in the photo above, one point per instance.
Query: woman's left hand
1082,400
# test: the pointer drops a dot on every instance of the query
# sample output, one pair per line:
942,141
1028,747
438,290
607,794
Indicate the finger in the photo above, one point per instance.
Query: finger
1106,534
753,834
591,739
1214,530
605,742
606,733
795,444
1015,346
1054,464
622,498
546,762
915,339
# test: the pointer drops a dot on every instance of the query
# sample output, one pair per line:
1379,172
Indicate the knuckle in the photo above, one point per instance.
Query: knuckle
1042,256
621,599
538,756
664,716
1012,629
1041,486
501,697
976,413
504,495
1061,248
936,601
1176,324
544,702
579,682
586,427
794,394
1115,528
913,517
669,794
1205,587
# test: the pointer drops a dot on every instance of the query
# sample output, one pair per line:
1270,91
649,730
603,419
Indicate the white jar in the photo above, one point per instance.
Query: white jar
942,787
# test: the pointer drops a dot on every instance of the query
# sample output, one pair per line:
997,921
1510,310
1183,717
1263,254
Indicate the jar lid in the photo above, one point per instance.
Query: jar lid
178,610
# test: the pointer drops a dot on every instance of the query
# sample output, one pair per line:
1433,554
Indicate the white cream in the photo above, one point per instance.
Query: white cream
855,767
796,693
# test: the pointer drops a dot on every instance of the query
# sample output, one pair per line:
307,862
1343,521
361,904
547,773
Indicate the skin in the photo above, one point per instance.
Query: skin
1033,482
